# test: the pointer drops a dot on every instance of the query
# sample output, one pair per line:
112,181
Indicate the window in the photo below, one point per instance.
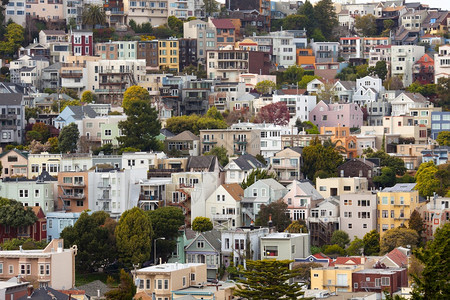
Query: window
348,202
147,284
384,200
184,281
355,285
108,132
255,192
200,244
166,284
11,269
192,277
141,284
315,275
323,188
159,284
271,250
1,268
50,224
23,193
385,281
36,193
384,214
347,188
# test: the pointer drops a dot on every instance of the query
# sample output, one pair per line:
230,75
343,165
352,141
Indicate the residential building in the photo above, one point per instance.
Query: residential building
424,70
36,231
188,53
305,58
380,280
74,114
238,169
287,164
27,70
403,59
223,206
380,53
46,37
435,22
331,115
49,10
403,104
358,213
368,89
195,96
152,192
351,47
53,266
440,121
236,142
435,214
115,15
122,50
360,167
285,246
82,43
148,50
299,106
396,205
57,221
14,163
414,19
205,249
12,118
422,114
38,163
442,63
334,279
439,155
15,10
302,139
370,43
225,32
344,90
155,13
205,33
323,221
184,144
73,193
168,54
300,199
337,186
345,141
14,289
325,51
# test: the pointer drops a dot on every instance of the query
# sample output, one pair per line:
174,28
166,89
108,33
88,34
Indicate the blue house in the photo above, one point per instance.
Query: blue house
440,121
57,221
438,155
72,114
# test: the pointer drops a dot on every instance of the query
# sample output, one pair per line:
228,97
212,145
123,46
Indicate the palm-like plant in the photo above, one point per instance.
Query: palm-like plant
335,145
93,15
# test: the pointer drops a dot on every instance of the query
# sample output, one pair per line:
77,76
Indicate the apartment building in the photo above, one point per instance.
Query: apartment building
188,53
82,43
115,15
57,221
423,70
435,214
223,206
334,279
403,59
395,205
337,186
236,142
403,103
45,10
154,12
343,138
52,267
380,53
351,47
325,51
323,221
12,118
300,199
299,105
287,164
358,213
440,121
15,10
225,32
205,33
389,280
14,162
73,193
148,50
285,246
238,169
370,43
329,115
122,50
442,63
38,163
168,54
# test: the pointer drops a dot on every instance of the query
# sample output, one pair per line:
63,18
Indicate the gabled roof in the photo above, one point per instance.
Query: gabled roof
23,154
398,257
223,23
166,132
248,162
416,97
349,85
184,136
204,162
92,288
212,237
79,112
46,294
235,190
11,98
45,176
308,189
272,183
351,261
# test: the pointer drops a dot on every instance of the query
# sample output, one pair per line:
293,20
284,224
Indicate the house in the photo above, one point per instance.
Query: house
242,243
14,289
336,186
323,221
299,105
236,142
435,214
225,32
205,249
325,51
331,115
380,280
73,193
360,167
223,206
358,213
423,71
403,103
287,163
344,90
57,221
74,114
442,63
238,169
397,258
82,43
334,279
403,59
264,191
315,85
52,267
301,198
12,118
368,89
285,246
36,231
351,47
396,205
14,163
435,22
440,121
438,155
185,144
345,141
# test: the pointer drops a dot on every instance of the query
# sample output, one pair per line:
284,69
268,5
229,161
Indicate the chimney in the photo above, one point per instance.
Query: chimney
98,293
252,225
29,291
270,223
20,248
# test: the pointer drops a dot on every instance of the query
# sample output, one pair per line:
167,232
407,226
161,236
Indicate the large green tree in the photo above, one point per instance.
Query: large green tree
276,210
416,222
265,87
443,91
14,214
426,181
293,74
134,235
94,237
12,39
93,15
195,123
443,138
210,7
307,10
356,247
366,25
298,226
268,279
379,70
433,284
221,154
371,243
386,179
326,18
399,237
134,93
318,159
257,174
340,238
68,138
141,126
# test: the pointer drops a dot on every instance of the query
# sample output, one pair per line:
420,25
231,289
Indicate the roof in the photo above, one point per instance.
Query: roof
400,187
223,23
184,136
46,294
272,183
23,154
291,92
203,162
45,176
235,190
349,85
79,112
91,288
308,189
398,257
213,237
346,261
11,98
248,162
362,160
416,97
166,132
54,32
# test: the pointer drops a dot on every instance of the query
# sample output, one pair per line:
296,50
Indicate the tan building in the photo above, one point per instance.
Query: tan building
302,139
14,162
52,267
72,191
236,142
411,154
286,164
336,186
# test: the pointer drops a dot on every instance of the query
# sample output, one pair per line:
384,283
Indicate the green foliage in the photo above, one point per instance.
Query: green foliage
426,181
426,90
393,83
405,179
317,158
198,71
163,32
93,15
307,10
53,143
221,154
268,279
298,226
128,149
14,214
194,124
94,237
134,235
396,164
68,138
295,22
27,244
398,237
326,18
416,222
265,87
340,238
134,93
107,149
277,211
334,250
315,250
366,25
43,130
293,74
126,289
356,247
371,243
202,224
302,84
33,136
12,40
304,270
142,28
176,25
443,138
433,284
443,91
318,36
141,126
386,179
379,70
210,7
88,97
256,174
260,158
31,112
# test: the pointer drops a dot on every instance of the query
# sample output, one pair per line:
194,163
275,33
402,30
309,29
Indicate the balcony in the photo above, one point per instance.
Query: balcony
72,75
146,197
73,184
102,185
324,220
209,142
105,198
109,91
8,116
239,151
240,141
74,196
223,217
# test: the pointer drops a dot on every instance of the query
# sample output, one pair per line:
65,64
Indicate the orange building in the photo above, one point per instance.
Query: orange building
72,191
305,58
342,137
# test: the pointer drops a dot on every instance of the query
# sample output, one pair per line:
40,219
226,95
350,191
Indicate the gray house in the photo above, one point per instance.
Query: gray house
205,248
12,118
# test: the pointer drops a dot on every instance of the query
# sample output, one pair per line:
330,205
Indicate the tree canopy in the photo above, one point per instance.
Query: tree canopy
221,154
265,87
68,138
93,15
395,163
256,174
274,113
371,243
14,36
340,238
426,181
443,138
298,226
366,25
277,211
14,214
195,123
202,224
416,222
125,290
88,97
399,237
134,93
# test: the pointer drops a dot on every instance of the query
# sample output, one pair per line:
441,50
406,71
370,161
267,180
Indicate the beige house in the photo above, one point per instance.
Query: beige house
336,186
223,206
286,163
37,163
236,142
280,246
52,267
14,163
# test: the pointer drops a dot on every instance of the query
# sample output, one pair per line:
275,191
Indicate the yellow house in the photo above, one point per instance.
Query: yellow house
168,54
37,163
333,279
395,205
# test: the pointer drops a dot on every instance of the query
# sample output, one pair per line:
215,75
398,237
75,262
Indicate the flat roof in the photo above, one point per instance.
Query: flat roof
170,267
283,235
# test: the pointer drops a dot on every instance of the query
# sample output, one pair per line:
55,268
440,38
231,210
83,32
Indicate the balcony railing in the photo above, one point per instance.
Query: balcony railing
223,217
77,196
324,220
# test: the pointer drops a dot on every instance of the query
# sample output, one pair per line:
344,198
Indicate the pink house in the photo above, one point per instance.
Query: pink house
336,114
14,163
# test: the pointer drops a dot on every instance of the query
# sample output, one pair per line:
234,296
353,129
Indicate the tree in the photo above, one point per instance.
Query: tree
443,91
68,138
416,222
298,226
327,93
275,113
198,71
443,138
27,244
33,136
386,179
317,158
43,129
398,237
194,124
366,25
107,149
395,163
134,93
14,214
326,17
356,247
93,15
210,7
221,154
13,38
379,70
141,126
334,250
362,71
175,24
53,144
426,181
94,236
304,270
307,10
202,224
307,126
166,222
125,290
340,238
134,235
371,243
293,74
275,211
268,279
236,116
265,87
88,97
318,36
295,22
302,84
433,282
255,175
393,83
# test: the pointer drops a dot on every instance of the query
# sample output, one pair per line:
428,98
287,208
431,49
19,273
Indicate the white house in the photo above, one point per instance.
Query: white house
281,246
442,63
344,90
368,89
299,105
314,86
237,170
402,104
223,206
